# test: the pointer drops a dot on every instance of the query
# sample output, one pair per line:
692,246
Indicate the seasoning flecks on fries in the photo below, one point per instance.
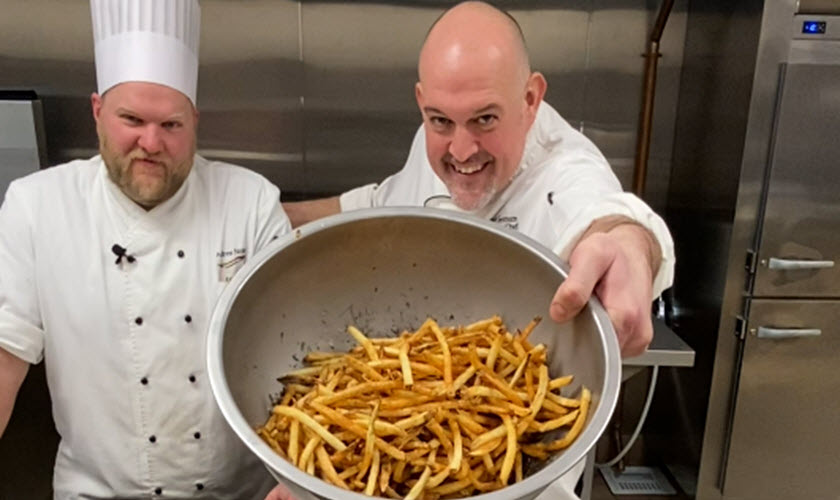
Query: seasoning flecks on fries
441,412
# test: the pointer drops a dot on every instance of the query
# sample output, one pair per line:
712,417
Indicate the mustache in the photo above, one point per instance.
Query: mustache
479,158
140,155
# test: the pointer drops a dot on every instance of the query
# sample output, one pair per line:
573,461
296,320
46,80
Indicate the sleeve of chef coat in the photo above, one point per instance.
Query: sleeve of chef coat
272,221
21,331
407,187
587,190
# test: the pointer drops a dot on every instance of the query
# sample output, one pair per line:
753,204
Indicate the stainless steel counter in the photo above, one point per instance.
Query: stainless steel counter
666,349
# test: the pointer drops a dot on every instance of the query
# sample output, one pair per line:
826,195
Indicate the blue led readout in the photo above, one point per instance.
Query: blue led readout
813,27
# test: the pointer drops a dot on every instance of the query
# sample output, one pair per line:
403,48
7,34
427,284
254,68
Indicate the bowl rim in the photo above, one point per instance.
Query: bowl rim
531,484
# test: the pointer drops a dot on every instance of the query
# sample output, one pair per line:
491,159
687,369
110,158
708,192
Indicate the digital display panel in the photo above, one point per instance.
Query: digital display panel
813,27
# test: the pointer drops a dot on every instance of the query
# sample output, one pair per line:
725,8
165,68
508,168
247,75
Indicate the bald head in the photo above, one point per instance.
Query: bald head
478,98
474,34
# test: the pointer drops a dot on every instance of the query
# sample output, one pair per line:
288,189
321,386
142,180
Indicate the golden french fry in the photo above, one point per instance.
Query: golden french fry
294,438
488,436
556,423
450,488
373,474
408,379
483,324
530,328
384,476
359,389
560,382
370,442
364,342
457,446
312,424
542,390
494,352
519,370
566,440
327,468
510,454
364,368
308,450
418,487
447,356
408,423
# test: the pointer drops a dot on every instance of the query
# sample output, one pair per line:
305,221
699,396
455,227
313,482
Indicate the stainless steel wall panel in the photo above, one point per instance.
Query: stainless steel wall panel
818,7
557,41
360,70
250,83
613,90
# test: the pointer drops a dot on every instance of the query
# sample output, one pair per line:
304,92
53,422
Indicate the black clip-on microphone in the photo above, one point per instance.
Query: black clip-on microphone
120,252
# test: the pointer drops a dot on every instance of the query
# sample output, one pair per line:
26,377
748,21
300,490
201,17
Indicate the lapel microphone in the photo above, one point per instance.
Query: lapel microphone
121,253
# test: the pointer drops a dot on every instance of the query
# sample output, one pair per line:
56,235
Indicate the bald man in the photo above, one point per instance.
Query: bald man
491,147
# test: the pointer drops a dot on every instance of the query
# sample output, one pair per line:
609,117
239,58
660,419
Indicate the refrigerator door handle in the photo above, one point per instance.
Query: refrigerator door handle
786,333
791,265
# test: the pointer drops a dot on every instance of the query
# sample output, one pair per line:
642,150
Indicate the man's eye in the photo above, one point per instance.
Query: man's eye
485,120
171,125
133,120
439,121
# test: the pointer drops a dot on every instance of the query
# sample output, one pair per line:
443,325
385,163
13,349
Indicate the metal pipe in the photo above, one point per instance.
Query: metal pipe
648,93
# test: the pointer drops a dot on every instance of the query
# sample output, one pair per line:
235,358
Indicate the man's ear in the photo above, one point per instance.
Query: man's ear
534,92
96,105
418,95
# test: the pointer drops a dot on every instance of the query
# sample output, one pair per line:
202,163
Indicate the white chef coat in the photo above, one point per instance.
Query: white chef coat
562,185
124,343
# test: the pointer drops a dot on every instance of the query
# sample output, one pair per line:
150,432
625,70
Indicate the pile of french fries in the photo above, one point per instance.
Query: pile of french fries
441,412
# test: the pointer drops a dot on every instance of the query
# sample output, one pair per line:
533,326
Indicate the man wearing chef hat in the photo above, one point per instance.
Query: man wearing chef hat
110,266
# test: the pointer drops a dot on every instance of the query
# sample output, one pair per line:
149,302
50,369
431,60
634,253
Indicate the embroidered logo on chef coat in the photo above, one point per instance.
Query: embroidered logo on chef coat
510,221
230,261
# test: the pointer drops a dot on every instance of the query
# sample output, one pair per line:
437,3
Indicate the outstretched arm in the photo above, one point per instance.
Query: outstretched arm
616,259
12,372
301,212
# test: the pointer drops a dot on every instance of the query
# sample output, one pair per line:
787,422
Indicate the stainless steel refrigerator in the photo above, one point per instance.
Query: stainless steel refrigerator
22,145
780,436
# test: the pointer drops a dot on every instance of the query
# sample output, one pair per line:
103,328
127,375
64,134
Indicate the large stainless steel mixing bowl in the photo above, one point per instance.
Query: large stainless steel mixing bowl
385,270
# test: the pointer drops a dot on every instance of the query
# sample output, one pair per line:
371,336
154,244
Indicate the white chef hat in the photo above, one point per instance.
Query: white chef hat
146,41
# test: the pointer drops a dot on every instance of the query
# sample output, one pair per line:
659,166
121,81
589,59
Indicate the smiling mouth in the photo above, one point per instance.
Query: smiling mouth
470,168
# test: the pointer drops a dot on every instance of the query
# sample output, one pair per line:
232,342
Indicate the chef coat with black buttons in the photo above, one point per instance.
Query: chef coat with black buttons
116,300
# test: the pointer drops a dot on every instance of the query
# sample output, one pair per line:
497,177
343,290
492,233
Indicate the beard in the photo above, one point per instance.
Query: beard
147,189
473,183
472,201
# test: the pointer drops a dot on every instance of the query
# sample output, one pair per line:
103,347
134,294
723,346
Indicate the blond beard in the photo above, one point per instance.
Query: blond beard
148,197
